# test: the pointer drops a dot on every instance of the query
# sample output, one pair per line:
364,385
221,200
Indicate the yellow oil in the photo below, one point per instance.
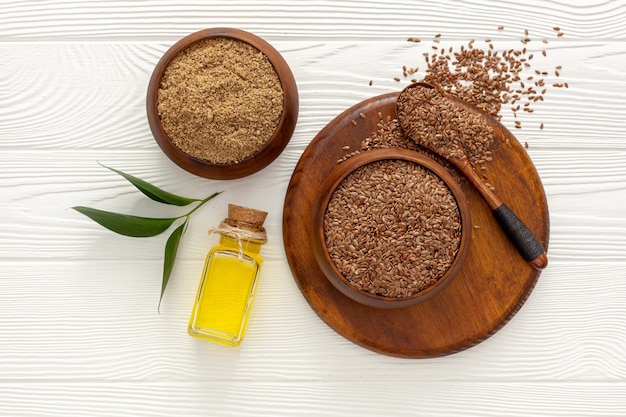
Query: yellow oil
226,292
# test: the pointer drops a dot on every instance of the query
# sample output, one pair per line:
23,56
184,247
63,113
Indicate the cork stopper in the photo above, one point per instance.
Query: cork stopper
243,223
246,215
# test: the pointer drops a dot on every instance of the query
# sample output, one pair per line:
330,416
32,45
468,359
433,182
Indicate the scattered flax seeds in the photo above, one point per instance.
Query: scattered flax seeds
488,79
220,100
388,134
392,228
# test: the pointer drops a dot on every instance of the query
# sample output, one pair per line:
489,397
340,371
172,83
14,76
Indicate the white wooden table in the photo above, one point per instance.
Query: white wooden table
80,334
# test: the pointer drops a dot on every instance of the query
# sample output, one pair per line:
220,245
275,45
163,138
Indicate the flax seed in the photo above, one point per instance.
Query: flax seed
425,110
392,228
485,78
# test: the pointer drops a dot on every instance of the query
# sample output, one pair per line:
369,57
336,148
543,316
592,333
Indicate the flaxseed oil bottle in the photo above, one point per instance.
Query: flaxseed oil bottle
229,279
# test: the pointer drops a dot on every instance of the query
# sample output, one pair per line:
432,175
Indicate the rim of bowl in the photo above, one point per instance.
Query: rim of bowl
259,159
320,249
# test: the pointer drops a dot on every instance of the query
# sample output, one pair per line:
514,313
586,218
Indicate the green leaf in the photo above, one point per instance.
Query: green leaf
127,225
153,192
171,247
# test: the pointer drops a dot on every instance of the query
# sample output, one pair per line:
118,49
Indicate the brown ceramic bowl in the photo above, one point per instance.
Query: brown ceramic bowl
254,162
318,241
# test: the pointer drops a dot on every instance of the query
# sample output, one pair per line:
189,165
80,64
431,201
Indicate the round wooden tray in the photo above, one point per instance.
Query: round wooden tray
491,285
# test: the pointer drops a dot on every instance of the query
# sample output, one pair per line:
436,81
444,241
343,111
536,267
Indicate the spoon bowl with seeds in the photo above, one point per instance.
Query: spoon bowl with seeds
436,122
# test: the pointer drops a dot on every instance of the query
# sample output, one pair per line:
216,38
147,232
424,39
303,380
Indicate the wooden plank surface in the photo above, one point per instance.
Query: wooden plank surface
79,329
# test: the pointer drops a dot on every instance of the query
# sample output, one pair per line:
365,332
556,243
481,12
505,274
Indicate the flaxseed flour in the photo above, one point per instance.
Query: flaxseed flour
220,100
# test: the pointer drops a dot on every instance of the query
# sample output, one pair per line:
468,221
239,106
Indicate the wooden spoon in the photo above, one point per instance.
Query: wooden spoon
522,238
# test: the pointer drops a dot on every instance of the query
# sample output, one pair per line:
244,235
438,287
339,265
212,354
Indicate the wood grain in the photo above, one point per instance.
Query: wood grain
79,330
111,20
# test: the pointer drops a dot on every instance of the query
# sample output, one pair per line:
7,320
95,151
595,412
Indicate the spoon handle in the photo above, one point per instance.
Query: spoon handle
522,238
518,233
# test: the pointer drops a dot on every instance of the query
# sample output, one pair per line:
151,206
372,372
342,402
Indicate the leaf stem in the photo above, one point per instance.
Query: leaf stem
202,202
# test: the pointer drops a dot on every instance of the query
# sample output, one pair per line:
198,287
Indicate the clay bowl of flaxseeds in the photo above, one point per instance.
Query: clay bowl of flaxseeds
391,227
222,103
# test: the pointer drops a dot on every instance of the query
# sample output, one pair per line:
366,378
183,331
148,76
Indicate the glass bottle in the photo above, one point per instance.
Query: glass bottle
230,277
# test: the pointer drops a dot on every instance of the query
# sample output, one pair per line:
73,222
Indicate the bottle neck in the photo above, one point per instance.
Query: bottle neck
246,245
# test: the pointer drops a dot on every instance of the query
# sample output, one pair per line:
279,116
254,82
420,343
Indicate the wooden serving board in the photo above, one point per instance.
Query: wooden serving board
492,284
